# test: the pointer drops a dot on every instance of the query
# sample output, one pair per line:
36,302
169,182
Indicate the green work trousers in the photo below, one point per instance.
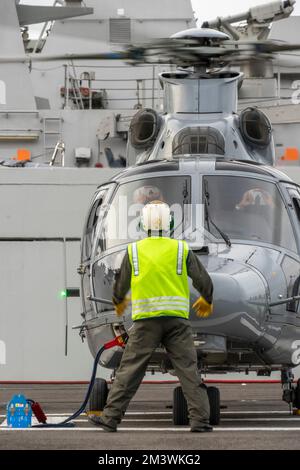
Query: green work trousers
175,334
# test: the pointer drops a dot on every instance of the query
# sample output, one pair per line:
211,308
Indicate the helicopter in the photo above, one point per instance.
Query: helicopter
238,213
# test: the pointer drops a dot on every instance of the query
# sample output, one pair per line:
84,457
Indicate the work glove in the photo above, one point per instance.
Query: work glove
202,308
121,307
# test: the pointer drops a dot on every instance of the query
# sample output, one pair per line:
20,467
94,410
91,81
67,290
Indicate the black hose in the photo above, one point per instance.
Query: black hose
66,422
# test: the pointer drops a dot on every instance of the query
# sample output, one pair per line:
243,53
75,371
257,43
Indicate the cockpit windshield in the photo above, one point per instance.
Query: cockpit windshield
247,209
122,223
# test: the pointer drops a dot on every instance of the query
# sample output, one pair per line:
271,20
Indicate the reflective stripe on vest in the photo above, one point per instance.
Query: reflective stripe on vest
180,257
135,259
159,283
155,304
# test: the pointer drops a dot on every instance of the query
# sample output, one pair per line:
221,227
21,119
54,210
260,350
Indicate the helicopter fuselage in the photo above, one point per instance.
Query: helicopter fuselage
254,267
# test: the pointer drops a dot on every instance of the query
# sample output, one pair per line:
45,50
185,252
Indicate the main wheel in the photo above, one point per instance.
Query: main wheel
180,411
296,401
214,402
98,396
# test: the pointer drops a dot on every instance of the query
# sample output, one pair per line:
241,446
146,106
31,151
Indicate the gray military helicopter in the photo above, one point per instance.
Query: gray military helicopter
239,214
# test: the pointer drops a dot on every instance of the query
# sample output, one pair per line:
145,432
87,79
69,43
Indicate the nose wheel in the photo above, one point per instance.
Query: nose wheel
180,410
98,396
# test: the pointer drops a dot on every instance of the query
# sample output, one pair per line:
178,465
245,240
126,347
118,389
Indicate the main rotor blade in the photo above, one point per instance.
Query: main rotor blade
123,55
187,52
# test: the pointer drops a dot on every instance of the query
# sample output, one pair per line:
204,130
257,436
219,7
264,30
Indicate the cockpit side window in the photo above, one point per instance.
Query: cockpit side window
248,209
198,140
91,224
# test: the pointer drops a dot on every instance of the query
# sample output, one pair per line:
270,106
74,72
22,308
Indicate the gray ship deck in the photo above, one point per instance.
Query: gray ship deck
253,417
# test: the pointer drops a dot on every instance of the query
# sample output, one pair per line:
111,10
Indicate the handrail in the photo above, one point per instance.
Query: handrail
141,94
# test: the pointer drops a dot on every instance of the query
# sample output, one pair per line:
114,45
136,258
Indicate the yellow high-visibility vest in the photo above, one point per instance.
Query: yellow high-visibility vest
159,280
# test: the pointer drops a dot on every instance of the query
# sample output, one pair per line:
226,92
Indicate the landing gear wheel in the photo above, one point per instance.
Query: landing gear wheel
296,401
98,396
180,411
214,402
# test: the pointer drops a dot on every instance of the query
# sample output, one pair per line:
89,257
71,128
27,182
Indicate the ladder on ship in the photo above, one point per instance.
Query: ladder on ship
52,133
75,88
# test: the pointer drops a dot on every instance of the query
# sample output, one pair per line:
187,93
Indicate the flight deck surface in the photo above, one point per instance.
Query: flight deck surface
252,417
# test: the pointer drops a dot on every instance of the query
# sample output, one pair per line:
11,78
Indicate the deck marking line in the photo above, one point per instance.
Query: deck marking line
144,413
151,429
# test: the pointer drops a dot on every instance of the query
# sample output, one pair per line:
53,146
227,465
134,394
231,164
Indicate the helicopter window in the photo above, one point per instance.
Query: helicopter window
295,196
91,224
122,223
248,209
255,127
103,274
199,140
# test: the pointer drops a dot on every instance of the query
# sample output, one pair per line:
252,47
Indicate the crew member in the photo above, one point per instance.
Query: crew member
157,269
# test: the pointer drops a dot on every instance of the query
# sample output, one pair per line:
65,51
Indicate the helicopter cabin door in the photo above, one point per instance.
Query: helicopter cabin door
97,211
291,264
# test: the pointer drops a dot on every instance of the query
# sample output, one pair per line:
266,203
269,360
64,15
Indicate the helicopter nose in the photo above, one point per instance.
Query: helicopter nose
239,302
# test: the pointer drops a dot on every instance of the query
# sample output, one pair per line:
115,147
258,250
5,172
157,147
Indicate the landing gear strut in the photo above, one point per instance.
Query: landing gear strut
180,411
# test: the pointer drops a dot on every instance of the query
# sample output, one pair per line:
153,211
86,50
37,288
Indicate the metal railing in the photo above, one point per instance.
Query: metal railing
141,92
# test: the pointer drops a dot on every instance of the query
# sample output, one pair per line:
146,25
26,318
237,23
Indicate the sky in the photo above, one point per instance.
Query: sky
204,9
